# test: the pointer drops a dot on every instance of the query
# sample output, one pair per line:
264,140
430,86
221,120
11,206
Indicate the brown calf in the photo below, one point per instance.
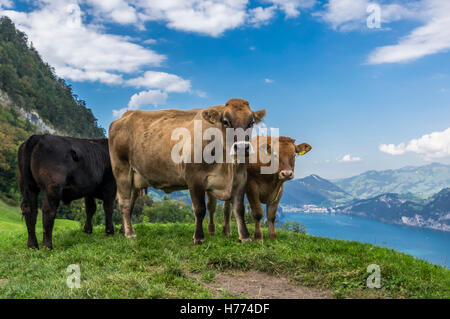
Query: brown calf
265,188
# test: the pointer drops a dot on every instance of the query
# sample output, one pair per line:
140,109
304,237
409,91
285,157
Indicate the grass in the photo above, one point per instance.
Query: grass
161,261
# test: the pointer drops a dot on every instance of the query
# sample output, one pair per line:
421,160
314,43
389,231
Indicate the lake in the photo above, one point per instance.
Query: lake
427,244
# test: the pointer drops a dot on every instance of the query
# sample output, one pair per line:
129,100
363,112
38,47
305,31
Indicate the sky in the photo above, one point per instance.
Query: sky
366,83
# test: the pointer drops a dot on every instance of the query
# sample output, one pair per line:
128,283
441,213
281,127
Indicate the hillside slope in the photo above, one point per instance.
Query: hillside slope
32,85
313,190
32,99
393,208
425,180
162,262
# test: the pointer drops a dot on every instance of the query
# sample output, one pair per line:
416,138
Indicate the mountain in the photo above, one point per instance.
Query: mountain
421,180
392,208
32,87
314,190
33,99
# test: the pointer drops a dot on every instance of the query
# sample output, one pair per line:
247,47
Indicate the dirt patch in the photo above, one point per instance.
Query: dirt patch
3,281
259,285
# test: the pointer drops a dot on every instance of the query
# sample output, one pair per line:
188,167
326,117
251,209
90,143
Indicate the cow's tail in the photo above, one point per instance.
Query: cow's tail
26,181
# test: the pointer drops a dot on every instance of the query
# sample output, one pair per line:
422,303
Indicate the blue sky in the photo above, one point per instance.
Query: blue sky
323,75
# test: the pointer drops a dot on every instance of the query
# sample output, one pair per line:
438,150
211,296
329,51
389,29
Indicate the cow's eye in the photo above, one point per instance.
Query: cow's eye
226,123
251,124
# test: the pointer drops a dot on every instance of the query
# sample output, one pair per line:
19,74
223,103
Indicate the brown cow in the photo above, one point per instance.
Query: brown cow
265,188
141,148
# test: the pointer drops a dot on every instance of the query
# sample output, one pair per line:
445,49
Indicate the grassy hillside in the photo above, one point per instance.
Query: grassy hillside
162,263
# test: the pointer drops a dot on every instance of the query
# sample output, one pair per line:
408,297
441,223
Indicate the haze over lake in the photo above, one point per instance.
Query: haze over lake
426,244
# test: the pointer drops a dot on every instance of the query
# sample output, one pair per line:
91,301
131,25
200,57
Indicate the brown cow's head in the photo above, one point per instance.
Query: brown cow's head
236,114
287,150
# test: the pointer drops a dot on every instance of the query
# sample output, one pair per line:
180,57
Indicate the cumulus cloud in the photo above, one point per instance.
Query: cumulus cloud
433,145
118,11
433,36
144,98
79,51
161,80
346,15
430,38
347,158
291,8
260,15
6,3
267,80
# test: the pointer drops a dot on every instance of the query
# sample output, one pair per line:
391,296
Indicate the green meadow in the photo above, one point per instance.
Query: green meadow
162,262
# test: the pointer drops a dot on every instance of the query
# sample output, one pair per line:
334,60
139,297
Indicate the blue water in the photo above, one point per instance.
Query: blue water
427,244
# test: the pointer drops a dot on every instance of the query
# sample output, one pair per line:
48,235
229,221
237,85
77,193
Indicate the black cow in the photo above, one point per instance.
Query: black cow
65,169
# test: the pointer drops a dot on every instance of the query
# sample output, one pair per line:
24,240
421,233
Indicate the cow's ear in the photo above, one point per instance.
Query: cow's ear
212,116
302,149
74,155
259,115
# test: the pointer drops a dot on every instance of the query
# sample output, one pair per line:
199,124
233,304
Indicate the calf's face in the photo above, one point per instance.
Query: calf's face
287,150
236,115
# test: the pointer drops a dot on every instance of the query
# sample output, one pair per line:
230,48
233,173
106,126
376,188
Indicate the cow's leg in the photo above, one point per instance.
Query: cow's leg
126,194
237,203
91,207
108,207
211,204
271,215
257,212
30,212
126,208
226,231
198,203
49,209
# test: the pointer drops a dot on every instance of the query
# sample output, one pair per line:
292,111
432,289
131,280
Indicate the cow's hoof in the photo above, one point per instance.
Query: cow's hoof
211,229
258,238
245,240
198,241
49,246
87,230
131,235
226,232
109,232
33,244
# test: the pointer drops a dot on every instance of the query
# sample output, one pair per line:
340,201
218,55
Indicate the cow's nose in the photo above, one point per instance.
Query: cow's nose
287,174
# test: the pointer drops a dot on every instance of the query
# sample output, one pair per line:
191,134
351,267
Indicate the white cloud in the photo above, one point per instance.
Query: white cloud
209,17
6,3
346,15
434,145
78,51
160,80
291,8
144,98
267,80
433,37
347,158
116,10
260,15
